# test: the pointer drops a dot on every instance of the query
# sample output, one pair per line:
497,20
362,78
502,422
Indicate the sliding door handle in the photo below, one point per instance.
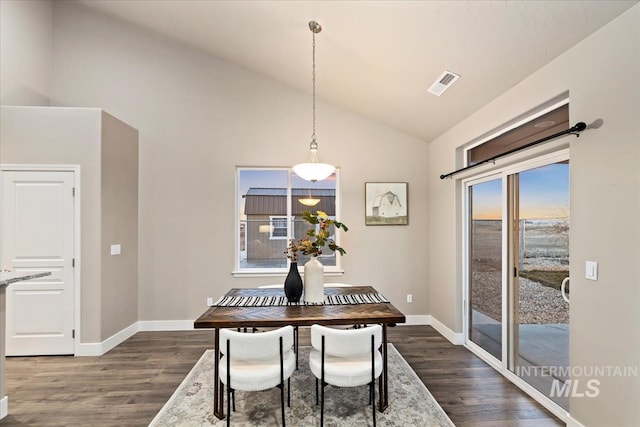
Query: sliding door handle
562,289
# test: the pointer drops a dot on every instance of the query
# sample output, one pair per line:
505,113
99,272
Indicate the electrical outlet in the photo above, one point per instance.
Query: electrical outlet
409,298
209,301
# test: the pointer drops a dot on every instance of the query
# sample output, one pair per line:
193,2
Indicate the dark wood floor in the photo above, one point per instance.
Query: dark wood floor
128,385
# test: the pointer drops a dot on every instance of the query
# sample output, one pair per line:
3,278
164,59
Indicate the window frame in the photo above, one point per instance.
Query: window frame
533,161
238,271
279,219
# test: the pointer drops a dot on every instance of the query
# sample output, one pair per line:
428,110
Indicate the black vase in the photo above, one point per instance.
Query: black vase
293,284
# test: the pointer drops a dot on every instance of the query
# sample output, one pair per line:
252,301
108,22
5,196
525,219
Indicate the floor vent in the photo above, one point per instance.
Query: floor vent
443,83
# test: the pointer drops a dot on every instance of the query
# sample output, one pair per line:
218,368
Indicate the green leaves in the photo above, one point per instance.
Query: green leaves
317,236
336,248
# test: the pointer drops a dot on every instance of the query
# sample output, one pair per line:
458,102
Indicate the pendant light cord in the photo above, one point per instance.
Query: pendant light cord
313,170
313,79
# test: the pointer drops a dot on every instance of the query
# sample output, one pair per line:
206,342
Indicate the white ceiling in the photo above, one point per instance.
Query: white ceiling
378,58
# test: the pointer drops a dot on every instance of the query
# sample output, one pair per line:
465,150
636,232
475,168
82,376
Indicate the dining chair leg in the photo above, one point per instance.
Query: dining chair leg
282,381
321,406
228,384
295,344
289,392
322,386
373,401
282,404
373,381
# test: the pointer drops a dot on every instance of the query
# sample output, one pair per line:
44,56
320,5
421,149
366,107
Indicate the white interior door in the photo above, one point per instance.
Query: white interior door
38,235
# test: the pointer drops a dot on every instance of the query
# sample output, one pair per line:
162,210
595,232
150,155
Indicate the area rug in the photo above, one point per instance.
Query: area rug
410,402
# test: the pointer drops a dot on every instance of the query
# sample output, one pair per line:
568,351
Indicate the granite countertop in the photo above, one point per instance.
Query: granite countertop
8,277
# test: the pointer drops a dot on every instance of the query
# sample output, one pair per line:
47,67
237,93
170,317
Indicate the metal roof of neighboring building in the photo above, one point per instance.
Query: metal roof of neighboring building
273,201
256,191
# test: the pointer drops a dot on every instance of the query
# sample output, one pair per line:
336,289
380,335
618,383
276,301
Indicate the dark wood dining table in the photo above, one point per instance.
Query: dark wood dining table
217,317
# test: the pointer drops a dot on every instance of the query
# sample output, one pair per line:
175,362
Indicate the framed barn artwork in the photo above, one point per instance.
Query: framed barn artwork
386,203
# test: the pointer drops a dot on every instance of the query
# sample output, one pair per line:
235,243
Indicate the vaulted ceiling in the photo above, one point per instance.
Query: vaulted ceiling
378,58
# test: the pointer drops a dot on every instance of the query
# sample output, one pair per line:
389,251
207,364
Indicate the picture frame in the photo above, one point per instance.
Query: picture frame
386,203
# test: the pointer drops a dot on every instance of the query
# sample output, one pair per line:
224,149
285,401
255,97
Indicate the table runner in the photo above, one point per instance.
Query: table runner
265,301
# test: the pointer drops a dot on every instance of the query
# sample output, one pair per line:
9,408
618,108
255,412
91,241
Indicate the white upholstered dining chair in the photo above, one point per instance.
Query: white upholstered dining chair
253,362
295,328
346,358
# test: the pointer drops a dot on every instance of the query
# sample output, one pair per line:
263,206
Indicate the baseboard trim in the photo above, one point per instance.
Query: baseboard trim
414,319
4,407
90,349
100,348
572,422
165,325
427,319
456,338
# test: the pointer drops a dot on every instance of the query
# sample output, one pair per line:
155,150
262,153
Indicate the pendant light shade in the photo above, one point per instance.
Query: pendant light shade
313,170
309,201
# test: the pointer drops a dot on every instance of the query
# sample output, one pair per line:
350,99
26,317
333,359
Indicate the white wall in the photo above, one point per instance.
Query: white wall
25,43
198,118
605,201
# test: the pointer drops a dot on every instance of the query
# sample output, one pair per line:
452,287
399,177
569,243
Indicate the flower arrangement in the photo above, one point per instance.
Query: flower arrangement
292,251
317,237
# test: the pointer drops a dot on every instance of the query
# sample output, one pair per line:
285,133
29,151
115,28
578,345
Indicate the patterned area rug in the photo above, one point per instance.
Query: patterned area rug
410,402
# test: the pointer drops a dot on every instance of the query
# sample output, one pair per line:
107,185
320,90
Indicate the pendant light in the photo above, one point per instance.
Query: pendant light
309,201
313,170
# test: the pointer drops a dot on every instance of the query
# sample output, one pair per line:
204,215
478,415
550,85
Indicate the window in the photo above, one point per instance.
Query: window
270,202
278,227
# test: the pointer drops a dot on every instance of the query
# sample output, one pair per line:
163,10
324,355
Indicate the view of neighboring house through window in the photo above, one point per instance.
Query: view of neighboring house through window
270,202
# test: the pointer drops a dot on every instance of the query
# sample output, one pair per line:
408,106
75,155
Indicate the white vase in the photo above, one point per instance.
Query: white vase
313,281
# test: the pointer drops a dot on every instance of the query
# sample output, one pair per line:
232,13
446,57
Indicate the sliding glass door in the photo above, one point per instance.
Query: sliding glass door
517,258
485,266
540,324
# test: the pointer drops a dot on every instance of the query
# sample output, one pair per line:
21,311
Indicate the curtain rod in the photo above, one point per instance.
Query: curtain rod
579,127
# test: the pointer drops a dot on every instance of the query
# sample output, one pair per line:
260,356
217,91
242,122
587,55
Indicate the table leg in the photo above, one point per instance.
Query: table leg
218,387
384,378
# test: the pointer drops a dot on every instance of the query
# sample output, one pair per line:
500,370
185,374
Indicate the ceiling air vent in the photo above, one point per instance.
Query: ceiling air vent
443,83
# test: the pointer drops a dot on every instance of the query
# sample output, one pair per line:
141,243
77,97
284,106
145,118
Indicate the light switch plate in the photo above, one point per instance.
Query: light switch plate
116,250
591,270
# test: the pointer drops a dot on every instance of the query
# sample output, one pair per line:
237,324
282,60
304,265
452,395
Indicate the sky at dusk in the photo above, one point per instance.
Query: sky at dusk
544,194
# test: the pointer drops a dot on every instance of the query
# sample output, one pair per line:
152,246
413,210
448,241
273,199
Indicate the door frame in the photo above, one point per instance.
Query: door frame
466,245
502,366
6,167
